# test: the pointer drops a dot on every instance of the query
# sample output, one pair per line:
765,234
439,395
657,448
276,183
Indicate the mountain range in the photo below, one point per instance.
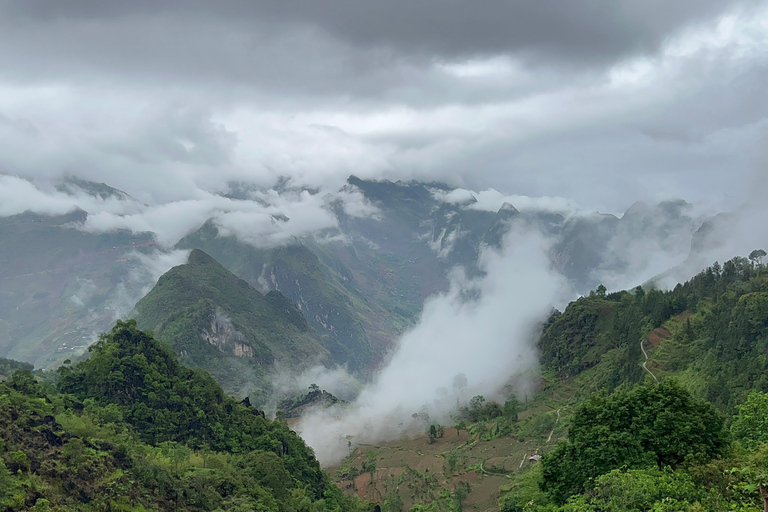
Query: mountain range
356,286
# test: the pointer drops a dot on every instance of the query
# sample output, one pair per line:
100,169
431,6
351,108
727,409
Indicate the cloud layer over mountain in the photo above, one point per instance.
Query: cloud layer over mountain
602,104
469,341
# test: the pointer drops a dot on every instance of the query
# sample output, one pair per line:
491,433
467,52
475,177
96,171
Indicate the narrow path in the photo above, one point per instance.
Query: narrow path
646,361
553,428
505,475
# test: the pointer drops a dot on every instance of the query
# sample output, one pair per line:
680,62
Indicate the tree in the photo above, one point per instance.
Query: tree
267,470
755,472
652,425
751,424
756,257
639,489
432,434
512,407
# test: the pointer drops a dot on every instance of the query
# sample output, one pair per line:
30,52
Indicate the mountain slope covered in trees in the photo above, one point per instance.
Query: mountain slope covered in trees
684,431
217,321
130,429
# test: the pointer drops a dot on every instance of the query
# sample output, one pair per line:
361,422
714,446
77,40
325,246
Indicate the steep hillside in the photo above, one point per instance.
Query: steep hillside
685,358
130,429
711,332
330,301
217,321
59,284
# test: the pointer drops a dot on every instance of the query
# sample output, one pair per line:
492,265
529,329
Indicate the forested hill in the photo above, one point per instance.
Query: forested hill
130,429
649,401
710,332
217,321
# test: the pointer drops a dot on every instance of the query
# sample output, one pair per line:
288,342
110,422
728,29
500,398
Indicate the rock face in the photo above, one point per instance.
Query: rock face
223,335
219,322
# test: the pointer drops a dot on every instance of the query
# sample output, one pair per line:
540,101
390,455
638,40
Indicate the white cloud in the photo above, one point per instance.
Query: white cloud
488,340
491,200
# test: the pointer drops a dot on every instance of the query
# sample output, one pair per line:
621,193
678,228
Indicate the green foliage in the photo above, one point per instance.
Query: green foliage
639,489
753,472
122,434
8,366
648,426
480,410
219,322
576,339
720,343
751,424
524,493
512,407
435,431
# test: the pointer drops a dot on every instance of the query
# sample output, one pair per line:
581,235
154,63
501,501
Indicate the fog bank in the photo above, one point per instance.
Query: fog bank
484,329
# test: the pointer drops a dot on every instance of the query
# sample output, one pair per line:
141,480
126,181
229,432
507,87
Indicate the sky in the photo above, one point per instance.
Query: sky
602,103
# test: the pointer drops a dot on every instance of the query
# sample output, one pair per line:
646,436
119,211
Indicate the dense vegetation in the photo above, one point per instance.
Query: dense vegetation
694,440
131,429
648,426
654,447
714,328
9,366
217,321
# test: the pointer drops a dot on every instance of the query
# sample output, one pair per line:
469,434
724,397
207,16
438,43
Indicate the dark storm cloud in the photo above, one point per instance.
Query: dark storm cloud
595,101
383,51
584,30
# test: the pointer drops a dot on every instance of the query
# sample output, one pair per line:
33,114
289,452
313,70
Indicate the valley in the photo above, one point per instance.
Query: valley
335,316
383,256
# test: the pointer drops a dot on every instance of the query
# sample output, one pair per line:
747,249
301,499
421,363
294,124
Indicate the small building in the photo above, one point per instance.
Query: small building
534,458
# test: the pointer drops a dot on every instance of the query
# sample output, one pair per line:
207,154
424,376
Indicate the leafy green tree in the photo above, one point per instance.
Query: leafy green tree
638,489
755,474
266,469
757,256
432,433
512,407
9,488
655,425
751,424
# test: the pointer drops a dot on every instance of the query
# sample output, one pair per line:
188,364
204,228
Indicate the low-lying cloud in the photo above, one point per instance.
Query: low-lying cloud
491,200
483,328
264,217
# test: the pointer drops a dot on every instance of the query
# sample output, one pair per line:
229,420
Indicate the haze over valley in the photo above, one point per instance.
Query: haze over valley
434,249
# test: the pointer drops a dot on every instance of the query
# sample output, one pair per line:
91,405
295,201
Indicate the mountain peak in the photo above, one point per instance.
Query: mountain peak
200,257
508,207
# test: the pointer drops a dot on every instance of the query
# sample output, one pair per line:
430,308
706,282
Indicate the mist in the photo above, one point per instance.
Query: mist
484,329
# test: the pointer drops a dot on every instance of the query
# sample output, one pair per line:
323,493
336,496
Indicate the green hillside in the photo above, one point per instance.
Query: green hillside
710,332
327,283
217,321
682,431
130,429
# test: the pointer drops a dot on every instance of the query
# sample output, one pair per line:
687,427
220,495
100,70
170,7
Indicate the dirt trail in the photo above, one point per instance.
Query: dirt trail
645,367
554,427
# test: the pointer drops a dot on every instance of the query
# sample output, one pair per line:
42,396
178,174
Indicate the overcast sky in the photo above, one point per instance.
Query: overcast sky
600,102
